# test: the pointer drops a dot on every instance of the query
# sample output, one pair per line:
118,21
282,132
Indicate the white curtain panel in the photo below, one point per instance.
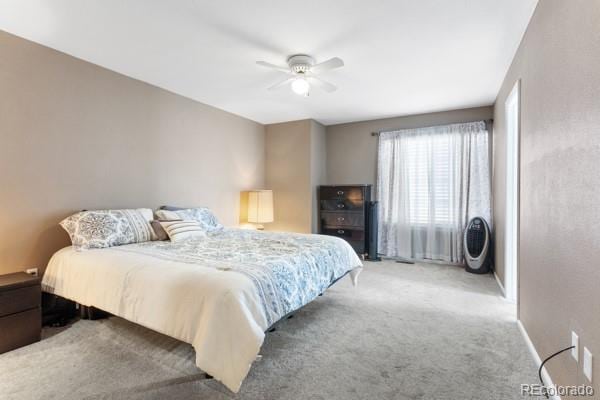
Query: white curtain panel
430,182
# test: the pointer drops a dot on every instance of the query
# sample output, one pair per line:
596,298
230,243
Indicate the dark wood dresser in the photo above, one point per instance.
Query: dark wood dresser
20,310
343,213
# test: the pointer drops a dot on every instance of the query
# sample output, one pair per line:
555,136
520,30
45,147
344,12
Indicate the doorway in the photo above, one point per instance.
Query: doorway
511,234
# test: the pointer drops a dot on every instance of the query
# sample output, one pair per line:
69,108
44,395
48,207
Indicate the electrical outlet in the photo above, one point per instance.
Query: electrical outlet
575,350
587,363
32,271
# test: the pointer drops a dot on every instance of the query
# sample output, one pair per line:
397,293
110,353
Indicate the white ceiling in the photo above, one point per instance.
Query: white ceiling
402,56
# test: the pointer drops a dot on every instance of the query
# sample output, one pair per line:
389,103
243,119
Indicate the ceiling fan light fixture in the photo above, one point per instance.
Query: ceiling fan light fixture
300,86
302,73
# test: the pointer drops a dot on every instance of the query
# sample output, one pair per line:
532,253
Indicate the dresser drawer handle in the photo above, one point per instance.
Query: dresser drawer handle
340,192
341,206
341,218
341,231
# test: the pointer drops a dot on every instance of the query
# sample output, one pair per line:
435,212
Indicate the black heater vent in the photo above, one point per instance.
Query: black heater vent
476,240
477,246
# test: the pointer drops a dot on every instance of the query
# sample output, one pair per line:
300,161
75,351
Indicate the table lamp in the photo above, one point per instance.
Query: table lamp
260,207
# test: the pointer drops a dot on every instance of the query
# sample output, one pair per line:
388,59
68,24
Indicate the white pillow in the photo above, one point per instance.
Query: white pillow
166,215
146,213
182,230
202,215
105,228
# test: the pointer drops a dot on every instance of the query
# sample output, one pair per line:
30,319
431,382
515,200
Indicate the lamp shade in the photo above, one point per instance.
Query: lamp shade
260,206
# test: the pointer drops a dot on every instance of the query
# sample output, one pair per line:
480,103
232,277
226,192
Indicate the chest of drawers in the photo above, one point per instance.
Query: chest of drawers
343,213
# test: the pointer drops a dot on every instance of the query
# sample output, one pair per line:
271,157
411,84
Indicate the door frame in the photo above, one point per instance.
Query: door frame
512,116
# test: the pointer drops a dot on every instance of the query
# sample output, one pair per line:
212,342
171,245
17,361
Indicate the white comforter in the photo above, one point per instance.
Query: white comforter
220,294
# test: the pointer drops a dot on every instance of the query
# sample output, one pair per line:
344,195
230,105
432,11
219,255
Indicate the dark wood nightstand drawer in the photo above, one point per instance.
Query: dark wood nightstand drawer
21,329
342,205
21,299
330,219
341,192
345,233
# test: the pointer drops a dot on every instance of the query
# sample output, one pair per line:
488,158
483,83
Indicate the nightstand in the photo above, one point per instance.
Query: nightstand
20,310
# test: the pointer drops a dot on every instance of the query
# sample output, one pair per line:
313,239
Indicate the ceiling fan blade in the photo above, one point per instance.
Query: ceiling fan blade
335,62
273,66
320,83
281,83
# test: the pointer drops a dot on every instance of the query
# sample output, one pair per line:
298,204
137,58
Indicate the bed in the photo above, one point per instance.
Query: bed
219,293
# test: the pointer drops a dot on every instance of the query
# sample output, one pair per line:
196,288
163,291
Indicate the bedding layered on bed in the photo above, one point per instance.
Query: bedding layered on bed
219,293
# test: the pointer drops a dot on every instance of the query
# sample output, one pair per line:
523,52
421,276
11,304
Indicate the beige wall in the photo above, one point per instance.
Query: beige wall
352,151
296,165
318,159
559,277
288,167
74,135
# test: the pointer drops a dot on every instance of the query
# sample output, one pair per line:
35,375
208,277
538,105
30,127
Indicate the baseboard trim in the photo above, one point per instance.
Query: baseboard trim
500,284
536,357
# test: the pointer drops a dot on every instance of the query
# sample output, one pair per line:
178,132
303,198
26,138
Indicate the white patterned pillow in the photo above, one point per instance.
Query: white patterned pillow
182,230
202,215
106,228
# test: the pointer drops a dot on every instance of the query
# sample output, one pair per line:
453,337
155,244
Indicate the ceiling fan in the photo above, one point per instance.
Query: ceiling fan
304,71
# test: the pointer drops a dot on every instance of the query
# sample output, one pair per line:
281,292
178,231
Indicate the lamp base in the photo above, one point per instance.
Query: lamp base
251,226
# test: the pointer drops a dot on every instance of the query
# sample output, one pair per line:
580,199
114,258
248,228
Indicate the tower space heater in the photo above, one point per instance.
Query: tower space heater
373,231
477,246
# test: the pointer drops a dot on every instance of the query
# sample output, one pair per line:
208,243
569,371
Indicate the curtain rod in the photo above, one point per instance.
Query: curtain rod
487,121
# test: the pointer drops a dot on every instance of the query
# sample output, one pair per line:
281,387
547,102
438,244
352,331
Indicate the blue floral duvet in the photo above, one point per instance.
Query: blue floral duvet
288,270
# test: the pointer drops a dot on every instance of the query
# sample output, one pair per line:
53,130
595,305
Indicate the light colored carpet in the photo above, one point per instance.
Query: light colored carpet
406,332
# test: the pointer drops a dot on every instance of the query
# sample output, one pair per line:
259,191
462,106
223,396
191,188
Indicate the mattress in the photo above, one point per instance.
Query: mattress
218,293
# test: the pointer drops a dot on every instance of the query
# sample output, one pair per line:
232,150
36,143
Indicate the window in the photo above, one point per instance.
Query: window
429,182
427,166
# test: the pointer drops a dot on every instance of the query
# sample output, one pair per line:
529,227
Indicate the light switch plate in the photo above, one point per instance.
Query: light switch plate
587,363
575,350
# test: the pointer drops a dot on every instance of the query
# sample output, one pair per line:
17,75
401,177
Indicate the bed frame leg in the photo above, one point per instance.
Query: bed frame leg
92,313
57,311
